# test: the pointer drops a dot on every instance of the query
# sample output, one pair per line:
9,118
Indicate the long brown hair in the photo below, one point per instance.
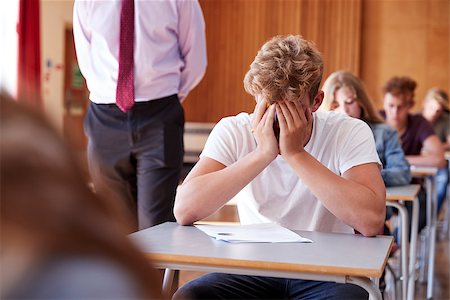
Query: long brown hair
340,79
47,205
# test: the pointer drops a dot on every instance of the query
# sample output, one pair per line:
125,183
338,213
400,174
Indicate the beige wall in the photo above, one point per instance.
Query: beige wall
236,29
376,39
55,16
405,37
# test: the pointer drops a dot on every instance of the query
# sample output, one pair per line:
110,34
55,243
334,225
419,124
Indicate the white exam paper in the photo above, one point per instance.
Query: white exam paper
254,233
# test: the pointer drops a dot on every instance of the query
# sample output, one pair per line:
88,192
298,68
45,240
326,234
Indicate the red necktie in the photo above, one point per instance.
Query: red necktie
125,79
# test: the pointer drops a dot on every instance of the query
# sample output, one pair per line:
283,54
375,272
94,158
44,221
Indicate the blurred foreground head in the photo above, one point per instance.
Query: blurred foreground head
58,238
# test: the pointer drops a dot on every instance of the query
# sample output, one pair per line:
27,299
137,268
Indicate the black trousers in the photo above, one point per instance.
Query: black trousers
138,155
231,286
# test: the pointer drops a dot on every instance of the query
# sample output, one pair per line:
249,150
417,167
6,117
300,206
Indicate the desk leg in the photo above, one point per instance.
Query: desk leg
404,244
369,286
447,227
447,223
429,202
432,237
167,281
412,249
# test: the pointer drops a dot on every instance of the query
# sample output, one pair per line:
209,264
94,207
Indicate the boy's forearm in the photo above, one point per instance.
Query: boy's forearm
203,195
427,160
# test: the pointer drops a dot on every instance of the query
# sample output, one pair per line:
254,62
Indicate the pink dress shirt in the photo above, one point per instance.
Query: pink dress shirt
169,50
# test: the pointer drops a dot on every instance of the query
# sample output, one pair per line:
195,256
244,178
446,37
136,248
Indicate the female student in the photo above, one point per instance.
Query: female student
345,93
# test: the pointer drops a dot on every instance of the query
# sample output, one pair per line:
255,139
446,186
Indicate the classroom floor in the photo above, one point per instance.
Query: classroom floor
442,263
441,283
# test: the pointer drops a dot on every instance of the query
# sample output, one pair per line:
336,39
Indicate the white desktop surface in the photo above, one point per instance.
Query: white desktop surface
170,245
405,192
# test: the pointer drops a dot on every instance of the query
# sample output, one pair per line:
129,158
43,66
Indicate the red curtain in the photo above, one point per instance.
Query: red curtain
29,59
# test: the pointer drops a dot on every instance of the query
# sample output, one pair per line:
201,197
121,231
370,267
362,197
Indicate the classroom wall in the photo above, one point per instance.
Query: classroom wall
236,29
373,38
56,15
406,38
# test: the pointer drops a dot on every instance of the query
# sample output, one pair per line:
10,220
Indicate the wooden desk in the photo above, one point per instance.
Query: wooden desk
342,258
395,196
405,192
429,173
418,171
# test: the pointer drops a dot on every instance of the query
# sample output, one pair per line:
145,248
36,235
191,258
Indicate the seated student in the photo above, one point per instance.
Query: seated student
345,93
436,111
283,181
419,142
58,239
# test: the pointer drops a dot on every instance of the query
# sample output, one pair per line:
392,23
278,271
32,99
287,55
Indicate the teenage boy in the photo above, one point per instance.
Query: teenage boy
323,173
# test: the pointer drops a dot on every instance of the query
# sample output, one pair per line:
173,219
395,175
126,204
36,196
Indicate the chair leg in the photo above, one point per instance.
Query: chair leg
394,283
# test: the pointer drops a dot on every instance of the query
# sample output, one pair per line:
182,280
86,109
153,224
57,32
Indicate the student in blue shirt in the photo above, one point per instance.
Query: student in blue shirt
344,92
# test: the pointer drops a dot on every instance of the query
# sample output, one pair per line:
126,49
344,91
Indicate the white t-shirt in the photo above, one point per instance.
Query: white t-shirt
277,194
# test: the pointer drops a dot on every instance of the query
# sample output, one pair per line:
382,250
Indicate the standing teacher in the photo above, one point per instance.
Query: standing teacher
140,59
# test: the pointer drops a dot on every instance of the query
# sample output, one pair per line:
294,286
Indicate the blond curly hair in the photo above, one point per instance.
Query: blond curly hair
286,68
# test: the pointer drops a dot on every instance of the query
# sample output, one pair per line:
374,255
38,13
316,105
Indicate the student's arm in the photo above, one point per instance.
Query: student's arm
396,169
446,145
211,184
357,197
432,154
82,36
192,44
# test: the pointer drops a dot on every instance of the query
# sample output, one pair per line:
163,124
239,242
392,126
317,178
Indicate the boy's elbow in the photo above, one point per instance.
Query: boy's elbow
372,229
184,211
437,160
183,220
182,215
374,222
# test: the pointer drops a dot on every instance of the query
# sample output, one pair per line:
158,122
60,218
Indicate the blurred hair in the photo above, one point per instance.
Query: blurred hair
341,79
400,86
286,68
439,95
46,204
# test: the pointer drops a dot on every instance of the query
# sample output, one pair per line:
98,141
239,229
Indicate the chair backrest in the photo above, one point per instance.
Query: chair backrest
195,136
